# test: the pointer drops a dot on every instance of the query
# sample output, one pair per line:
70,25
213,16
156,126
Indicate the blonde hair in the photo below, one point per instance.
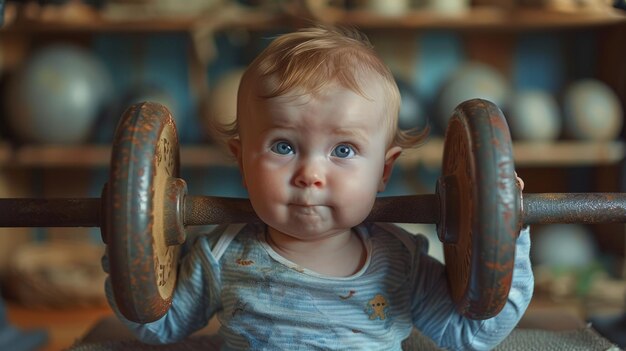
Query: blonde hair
311,58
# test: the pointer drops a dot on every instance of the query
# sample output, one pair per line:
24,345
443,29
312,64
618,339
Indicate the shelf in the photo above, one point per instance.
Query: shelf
474,18
5,153
51,156
92,156
131,18
570,153
528,154
532,154
134,20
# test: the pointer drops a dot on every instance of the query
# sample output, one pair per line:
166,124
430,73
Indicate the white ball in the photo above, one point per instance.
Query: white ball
592,111
389,7
564,246
223,97
534,115
59,95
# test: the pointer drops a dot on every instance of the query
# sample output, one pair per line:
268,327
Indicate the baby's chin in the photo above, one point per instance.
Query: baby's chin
310,232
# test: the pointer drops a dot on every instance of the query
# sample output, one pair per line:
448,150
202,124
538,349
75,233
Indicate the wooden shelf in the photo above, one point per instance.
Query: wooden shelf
134,20
5,153
86,156
50,156
223,16
532,154
528,154
571,153
474,18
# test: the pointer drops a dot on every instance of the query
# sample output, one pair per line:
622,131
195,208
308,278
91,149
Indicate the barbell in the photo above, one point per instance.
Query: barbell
478,208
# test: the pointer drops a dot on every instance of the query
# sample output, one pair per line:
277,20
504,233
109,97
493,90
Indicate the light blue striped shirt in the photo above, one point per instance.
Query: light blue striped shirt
265,302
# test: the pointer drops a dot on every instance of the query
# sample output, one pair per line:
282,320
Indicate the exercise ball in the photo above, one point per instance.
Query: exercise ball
58,95
222,101
564,246
411,113
534,115
471,80
592,111
389,7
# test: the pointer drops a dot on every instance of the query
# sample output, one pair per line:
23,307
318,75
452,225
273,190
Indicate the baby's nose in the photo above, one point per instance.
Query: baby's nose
310,174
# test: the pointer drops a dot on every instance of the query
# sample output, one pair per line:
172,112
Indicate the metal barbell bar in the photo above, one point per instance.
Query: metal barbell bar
539,208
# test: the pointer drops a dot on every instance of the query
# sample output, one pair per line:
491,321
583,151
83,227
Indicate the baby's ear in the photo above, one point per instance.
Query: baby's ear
390,158
234,145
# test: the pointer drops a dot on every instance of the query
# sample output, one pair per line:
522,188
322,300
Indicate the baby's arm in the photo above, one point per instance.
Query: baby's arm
434,312
193,304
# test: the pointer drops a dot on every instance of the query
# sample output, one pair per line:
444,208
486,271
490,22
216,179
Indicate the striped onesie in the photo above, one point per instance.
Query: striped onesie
265,302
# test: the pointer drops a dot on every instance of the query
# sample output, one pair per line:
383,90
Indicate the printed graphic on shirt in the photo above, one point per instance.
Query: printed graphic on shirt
244,262
376,307
349,295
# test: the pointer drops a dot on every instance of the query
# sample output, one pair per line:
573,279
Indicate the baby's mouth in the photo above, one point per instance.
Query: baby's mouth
305,208
304,205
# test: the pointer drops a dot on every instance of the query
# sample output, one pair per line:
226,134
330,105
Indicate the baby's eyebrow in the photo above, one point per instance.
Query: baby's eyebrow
351,133
278,127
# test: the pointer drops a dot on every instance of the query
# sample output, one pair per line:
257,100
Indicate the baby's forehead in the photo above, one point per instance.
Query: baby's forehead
331,97
371,91
301,108
368,87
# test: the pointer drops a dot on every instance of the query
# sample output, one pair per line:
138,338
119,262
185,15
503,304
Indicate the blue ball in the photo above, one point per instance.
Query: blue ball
58,95
592,111
411,113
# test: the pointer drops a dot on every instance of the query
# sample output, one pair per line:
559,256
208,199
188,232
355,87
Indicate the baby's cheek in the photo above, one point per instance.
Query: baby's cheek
265,179
263,190
356,199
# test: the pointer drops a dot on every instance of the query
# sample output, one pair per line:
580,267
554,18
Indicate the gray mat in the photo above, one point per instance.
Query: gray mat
520,340
585,339
190,344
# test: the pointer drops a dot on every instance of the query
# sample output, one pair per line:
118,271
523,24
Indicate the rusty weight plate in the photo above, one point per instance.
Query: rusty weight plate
480,202
144,165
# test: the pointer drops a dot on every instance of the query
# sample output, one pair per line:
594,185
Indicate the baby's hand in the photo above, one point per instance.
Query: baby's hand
105,261
520,182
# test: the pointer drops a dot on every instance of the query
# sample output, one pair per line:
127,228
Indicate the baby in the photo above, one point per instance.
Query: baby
316,139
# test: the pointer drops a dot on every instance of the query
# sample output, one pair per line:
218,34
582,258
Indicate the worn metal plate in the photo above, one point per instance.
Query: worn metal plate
144,159
484,219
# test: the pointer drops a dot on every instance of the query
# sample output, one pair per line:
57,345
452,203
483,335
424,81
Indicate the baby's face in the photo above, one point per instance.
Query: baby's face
312,165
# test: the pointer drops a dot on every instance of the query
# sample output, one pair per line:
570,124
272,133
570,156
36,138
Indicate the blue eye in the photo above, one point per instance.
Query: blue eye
343,151
282,148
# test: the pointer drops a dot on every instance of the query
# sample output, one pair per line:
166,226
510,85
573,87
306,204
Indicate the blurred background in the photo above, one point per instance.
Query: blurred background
69,68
